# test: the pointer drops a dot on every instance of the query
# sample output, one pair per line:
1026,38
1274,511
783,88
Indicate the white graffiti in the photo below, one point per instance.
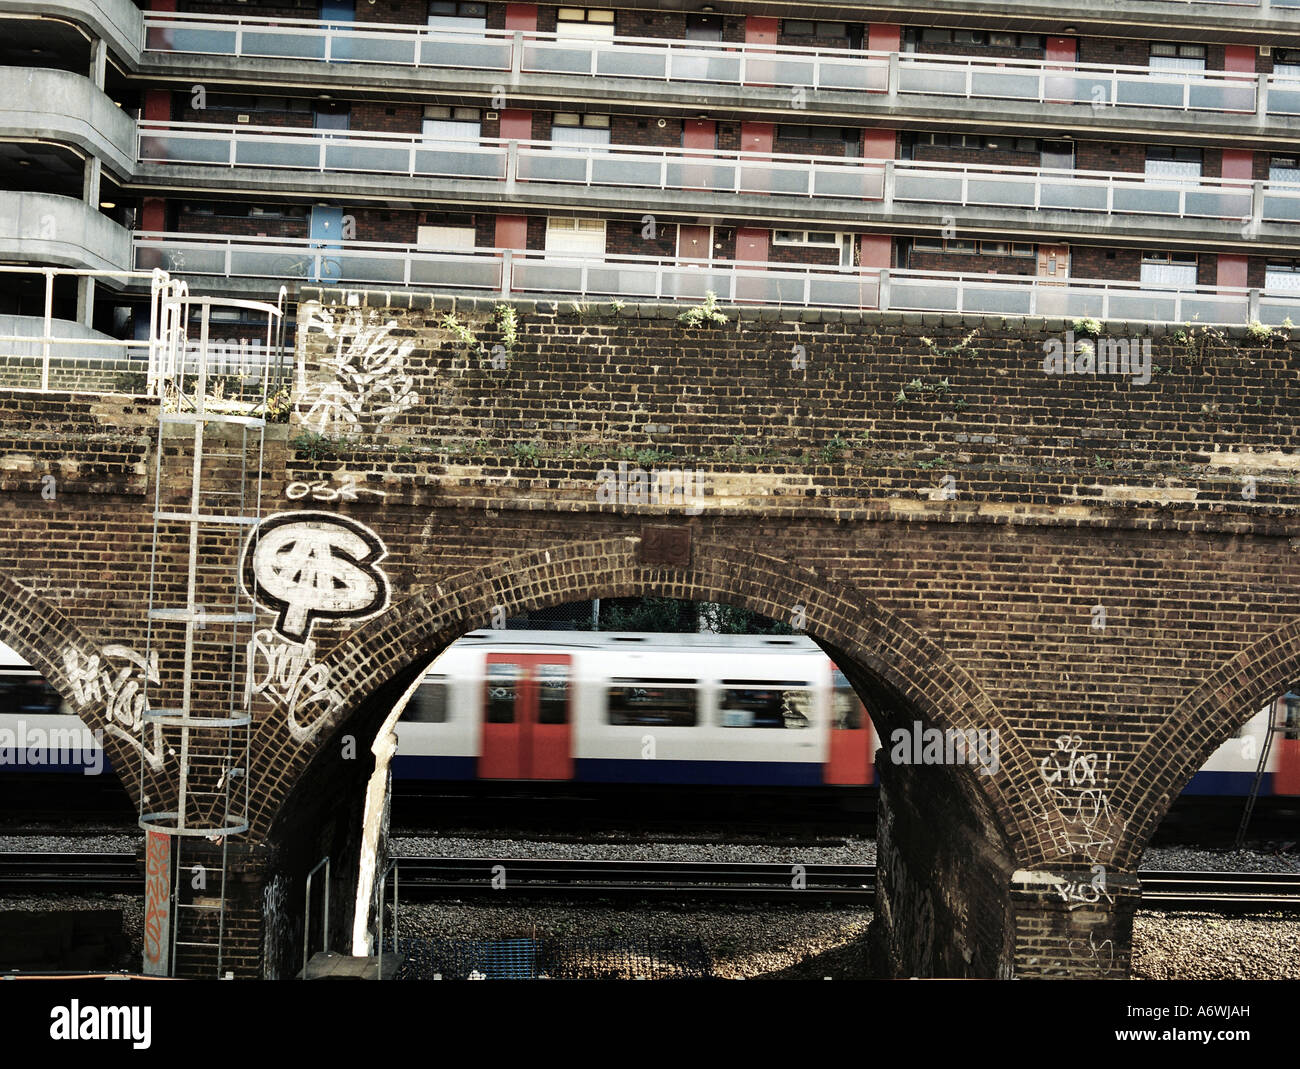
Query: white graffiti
1075,788
288,673
1100,955
1079,893
117,677
324,490
314,565
367,379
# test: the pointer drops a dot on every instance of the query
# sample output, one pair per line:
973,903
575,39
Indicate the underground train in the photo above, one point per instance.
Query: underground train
605,707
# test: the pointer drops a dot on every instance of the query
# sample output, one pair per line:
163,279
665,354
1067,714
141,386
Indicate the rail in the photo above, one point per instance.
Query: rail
514,52
736,173
507,272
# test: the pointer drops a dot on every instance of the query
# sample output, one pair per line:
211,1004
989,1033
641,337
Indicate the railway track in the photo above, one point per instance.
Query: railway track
1226,891
82,871
431,878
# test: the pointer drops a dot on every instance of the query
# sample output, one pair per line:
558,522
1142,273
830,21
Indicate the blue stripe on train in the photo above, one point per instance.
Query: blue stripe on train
1228,783
728,773
36,760
427,767
600,770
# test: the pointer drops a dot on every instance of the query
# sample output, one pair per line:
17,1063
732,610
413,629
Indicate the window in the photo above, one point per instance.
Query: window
27,692
584,22
1172,57
1017,40
552,694
1286,65
1177,163
846,709
761,704
805,237
501,692
582,236
455,16
239,102
445,126
652,702
959,245
447,238
809,28
993,248
1282,276
429,704
928,244
1175,270
791,132
571,128
1284,169
1018,249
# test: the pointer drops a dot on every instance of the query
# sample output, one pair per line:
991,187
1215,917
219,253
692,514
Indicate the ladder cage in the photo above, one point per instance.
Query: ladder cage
197,720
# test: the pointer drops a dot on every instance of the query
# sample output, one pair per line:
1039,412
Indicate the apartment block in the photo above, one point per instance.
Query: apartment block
1133,160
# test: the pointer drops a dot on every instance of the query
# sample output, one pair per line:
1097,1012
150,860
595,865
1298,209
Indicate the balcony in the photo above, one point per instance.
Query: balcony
263,263
45,228
841,190
889,84
37,104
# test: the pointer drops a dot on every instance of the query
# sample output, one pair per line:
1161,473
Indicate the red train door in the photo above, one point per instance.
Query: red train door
1286,777
527,717
849,761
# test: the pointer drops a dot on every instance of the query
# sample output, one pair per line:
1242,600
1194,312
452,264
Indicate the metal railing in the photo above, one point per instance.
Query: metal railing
781,66
507,272
736,173
54,339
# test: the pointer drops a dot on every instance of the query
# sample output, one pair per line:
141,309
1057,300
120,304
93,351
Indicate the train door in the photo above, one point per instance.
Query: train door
1286,777
527,717
849,760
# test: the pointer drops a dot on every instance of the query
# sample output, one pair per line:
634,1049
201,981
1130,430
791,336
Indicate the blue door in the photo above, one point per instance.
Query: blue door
326,233
339,14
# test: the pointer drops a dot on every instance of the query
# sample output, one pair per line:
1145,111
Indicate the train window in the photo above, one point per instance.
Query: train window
846,710
652,703
1291,716
29,693
761,704
429,704
552,694
502,689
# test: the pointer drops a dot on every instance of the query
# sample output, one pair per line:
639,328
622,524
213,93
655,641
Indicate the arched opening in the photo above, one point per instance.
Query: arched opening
907,683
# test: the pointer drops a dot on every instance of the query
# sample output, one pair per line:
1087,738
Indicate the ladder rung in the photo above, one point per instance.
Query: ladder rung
208,517
208,617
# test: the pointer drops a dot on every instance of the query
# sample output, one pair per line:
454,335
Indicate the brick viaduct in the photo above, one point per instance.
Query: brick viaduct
1105,571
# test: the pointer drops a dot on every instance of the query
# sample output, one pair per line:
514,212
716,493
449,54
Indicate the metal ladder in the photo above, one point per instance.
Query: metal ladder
199,614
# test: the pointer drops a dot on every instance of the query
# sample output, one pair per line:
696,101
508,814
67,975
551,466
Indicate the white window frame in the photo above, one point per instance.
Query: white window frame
1168,270
598,29
458,23
1279,279
446,238
575,236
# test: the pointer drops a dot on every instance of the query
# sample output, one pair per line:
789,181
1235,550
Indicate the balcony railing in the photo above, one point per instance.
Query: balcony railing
781,66
507,272
736,173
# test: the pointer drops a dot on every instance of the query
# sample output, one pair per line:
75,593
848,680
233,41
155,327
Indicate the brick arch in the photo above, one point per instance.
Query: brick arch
883,645
1200,724
40,632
